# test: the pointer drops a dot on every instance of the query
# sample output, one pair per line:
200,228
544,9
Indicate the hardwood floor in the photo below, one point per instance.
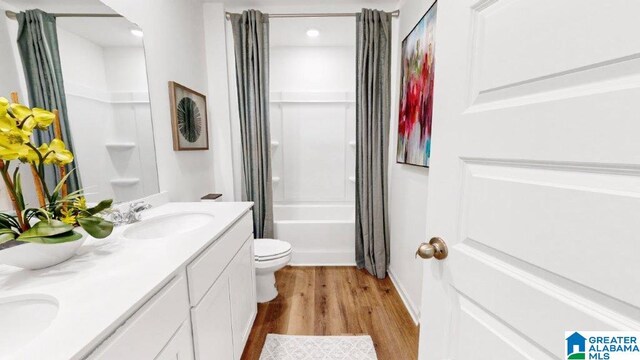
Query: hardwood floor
336,301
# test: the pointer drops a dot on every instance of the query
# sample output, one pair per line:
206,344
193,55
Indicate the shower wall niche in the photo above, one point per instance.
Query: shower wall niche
313,123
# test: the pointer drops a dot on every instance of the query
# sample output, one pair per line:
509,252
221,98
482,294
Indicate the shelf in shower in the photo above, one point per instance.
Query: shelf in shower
120,145
352,179
125,181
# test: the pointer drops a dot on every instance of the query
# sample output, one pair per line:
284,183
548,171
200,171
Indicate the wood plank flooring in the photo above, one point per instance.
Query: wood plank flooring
336,301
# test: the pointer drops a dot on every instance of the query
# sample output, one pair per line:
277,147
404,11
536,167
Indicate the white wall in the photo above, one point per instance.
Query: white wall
126,73
407,184
218,86
313,68
312,122
174,46
89,114
9,81
108,104
233,142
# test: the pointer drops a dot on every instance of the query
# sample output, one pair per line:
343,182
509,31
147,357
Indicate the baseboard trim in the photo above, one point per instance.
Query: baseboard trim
414,312
311,258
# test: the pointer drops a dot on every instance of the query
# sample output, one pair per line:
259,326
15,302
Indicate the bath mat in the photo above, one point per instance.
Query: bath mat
290,347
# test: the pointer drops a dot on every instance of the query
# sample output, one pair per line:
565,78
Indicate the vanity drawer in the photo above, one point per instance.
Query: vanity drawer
207,267
144,335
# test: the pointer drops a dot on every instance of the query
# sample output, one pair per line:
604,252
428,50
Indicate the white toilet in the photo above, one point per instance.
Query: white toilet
271,255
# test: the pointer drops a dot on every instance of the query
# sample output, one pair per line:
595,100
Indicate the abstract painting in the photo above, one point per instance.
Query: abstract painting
188,118
416,92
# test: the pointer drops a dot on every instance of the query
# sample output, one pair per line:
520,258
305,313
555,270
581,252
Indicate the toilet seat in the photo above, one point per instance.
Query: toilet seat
271,255
271,249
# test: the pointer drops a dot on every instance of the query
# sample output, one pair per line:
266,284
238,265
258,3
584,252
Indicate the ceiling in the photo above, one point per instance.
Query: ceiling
293,31
305,2
58,6
105,32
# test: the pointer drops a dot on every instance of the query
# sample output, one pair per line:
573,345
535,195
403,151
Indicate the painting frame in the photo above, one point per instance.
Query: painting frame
180,97
415,106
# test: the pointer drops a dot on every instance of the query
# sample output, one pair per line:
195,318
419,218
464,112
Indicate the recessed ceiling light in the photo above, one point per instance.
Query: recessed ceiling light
136,32
313,33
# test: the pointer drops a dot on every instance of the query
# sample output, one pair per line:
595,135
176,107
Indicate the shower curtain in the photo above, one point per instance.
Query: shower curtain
251,43
38,45
373,72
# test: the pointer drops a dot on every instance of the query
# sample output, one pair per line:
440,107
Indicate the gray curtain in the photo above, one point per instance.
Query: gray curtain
38,45
373,71
251,43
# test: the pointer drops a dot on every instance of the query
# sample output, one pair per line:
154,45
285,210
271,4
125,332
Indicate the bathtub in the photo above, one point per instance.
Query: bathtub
318,234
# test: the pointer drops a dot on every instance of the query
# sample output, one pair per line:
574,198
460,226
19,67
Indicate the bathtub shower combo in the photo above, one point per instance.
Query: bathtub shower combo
312,119
318,234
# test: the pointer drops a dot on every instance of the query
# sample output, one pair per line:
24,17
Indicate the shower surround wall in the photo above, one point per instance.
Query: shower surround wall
313,152
108,103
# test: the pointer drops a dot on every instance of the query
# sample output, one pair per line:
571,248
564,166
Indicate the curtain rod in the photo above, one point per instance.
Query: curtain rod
12,15
394,13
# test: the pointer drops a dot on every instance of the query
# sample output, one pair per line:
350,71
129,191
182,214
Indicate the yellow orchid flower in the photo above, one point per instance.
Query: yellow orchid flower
31,156
6,121
68,217
39,118
80,203
4,105
13,144
20,111
59,153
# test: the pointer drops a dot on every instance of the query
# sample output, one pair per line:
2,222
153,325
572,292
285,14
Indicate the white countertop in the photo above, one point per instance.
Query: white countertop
110,279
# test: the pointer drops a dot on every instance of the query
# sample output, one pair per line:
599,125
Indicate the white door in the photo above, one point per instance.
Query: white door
242,296
212,326
535,177
180,347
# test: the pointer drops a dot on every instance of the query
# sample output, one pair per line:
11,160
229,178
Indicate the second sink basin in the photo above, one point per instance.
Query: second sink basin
167,225
22,319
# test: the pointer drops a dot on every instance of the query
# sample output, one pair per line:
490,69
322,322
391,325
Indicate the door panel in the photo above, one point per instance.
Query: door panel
180,347
485,336
211,320
544,203
535,176
549,38
242,295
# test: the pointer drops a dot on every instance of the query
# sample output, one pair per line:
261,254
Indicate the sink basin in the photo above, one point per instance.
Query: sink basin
167,225
23,319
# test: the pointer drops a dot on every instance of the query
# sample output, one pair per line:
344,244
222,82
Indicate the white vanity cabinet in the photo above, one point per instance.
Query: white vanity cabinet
212,324
180,347
150,329
229,304
242,290
222,317
205,312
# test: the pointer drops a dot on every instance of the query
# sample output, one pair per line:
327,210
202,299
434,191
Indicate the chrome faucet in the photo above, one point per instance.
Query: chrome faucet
130,216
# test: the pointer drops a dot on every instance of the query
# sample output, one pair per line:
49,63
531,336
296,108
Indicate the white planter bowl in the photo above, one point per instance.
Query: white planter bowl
39,256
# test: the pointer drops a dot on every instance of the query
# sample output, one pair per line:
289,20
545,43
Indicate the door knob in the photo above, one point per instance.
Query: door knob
435,248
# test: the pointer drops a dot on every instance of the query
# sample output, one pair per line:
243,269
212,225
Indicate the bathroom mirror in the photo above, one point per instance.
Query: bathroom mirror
106,93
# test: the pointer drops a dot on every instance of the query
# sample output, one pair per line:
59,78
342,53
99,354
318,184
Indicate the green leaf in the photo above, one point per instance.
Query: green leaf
96,226
102,205
18,186
6,235
34,212
62,181
54,239
8,221
45,229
